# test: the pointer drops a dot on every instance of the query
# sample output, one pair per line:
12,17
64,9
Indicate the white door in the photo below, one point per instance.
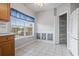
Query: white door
74,32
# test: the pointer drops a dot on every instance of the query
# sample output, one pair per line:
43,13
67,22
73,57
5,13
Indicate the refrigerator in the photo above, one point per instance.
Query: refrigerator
74,32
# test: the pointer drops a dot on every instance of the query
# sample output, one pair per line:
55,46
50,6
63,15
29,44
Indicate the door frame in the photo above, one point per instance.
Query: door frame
60,25
62,13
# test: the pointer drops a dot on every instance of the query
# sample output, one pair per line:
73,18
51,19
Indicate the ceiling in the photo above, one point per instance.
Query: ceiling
46,6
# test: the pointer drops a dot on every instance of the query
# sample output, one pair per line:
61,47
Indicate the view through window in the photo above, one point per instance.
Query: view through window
22,25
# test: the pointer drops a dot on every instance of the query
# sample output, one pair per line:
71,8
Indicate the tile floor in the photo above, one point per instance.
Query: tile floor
39,48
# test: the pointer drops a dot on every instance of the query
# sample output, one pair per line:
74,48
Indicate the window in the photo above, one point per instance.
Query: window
18,15
21,24
29,28
13,13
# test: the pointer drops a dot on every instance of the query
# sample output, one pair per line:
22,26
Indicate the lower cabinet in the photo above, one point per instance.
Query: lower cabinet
7,48
0,51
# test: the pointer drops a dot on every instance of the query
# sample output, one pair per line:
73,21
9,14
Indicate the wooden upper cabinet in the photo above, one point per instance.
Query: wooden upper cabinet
4,11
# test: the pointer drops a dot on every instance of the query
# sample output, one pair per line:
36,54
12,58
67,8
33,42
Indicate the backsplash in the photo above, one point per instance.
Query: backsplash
4,27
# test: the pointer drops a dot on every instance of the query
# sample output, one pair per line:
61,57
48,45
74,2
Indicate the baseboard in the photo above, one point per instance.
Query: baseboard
46,41
70,52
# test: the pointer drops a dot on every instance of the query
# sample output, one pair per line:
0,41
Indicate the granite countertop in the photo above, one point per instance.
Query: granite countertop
4,34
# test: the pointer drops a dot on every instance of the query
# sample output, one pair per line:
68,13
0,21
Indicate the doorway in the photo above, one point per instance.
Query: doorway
63,29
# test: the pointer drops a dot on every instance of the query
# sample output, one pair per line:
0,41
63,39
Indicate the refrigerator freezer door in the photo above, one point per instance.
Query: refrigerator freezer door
74,23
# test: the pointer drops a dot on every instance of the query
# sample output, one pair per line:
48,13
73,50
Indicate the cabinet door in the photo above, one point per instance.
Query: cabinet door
8,49
4,11
0,51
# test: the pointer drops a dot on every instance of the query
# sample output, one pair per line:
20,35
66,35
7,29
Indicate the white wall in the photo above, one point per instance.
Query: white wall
45,21
74,6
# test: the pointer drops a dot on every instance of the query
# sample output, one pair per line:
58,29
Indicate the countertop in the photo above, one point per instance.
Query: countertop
4,34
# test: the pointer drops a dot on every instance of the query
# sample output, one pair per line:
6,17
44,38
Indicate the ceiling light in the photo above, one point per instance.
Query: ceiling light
40,3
